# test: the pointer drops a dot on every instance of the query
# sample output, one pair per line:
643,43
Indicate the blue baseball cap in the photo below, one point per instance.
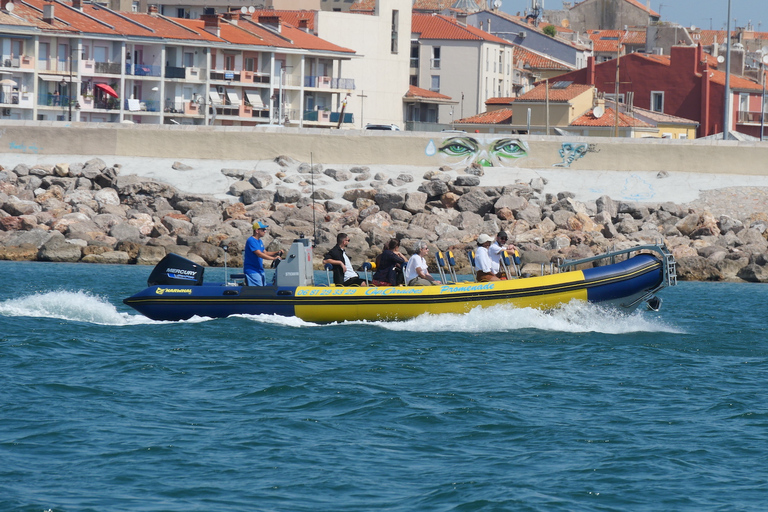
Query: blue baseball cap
260,225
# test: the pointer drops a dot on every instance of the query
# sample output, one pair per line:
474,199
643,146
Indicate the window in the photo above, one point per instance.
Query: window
395,23
189,59
435,57
250,64
414,54
100,54
229,62
435,83
657,101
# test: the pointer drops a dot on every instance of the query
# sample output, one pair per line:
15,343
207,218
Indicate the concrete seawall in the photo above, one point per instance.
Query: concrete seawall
371,147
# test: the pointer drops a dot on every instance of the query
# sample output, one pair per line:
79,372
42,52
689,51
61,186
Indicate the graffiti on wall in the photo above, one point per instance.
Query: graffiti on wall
572,151
484,151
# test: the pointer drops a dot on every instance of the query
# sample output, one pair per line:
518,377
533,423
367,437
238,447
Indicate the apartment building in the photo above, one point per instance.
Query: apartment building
81,61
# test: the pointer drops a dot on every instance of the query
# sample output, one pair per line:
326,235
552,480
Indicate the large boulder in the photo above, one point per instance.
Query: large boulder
475,202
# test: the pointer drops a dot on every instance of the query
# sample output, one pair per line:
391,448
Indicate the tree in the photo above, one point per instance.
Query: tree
550,30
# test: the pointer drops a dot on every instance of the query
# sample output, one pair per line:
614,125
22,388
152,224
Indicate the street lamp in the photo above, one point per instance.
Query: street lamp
69,86
763,61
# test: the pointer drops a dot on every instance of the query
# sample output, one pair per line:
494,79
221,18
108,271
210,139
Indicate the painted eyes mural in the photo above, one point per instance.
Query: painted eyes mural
499,151
490,152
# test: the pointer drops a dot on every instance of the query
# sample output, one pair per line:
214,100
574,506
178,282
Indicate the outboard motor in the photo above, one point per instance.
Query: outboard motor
173,269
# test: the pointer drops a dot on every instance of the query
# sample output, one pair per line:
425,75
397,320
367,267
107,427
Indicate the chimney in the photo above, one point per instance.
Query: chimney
232,16
48,12
77,4
152,10
304,24
212,24
272,22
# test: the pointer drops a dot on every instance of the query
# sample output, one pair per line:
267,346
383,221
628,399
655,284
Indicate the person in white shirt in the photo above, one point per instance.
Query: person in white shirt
483,261
495,251
416,271
343,273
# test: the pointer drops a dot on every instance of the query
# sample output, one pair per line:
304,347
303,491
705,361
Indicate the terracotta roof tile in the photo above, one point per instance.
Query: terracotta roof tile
608,119
501,116
438,5
556,95
608,40
436,26
418,92
500,101
536,60
288,16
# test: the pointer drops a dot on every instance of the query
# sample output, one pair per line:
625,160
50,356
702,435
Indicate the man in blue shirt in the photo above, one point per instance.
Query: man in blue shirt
253,265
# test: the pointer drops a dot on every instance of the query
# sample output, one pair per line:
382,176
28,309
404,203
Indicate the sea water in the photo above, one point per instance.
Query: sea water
499,409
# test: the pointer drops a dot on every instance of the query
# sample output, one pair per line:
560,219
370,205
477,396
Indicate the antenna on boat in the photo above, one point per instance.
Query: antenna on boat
312,181
226,274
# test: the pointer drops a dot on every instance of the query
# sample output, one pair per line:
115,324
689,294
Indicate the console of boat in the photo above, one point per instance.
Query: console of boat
622,279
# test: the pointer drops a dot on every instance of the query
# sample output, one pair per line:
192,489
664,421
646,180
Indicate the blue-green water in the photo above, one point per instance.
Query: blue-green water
580,409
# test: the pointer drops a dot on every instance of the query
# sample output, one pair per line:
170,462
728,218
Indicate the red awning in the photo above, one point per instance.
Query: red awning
107,89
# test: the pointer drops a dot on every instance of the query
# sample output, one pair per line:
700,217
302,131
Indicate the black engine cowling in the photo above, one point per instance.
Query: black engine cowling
173,269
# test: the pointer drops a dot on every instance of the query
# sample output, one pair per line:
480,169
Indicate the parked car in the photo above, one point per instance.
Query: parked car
382,127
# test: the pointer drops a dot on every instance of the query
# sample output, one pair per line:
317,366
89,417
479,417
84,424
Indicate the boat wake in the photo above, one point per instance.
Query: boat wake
574,317
77,306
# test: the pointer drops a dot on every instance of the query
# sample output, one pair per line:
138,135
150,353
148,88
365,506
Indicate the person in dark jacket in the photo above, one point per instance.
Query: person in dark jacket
388,264
343,274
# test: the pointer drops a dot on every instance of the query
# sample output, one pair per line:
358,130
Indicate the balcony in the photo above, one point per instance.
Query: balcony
225,75
322,116
107,68
45,99
747,117
142,105
174,72
326,82
142,70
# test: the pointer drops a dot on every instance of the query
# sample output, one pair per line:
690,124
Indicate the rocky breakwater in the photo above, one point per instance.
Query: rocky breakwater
92,213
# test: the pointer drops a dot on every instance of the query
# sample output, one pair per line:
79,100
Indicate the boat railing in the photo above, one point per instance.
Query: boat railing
667,259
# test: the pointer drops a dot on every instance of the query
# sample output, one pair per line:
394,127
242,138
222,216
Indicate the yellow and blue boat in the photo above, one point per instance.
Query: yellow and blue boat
622,279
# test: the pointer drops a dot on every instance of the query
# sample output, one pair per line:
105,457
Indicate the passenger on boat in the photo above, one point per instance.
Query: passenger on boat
389,264
495,251
343,273
416,273
254,254
483,260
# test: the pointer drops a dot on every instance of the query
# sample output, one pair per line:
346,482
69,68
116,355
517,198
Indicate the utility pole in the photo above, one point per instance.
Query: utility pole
362,97
727,114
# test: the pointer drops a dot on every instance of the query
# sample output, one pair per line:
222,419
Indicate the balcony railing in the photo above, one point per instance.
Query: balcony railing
144,106
746,117
414,62
142,70
110,68
53,100
225,75
174,72
9,98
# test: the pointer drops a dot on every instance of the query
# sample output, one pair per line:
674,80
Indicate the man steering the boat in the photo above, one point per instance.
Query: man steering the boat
255,254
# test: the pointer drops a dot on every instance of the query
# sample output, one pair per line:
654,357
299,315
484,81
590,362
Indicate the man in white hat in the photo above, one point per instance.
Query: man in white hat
483,259
254,254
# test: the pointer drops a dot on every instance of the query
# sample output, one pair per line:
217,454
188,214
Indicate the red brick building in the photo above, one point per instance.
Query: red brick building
684,84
